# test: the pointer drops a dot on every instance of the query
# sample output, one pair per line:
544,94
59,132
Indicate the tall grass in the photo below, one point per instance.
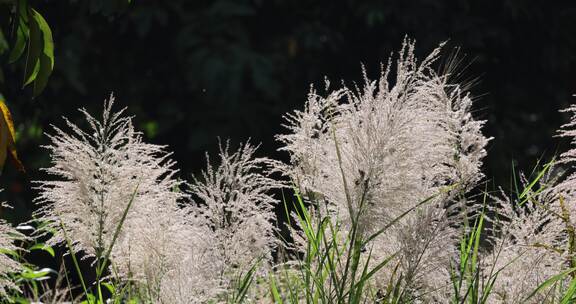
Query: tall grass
335,267
381,177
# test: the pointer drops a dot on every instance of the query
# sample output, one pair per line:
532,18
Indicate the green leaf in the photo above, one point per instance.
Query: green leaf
37,275
9,252
22,34
20,300
274,291
524,195
569,294
244,283
75,260
110,287
46,59
43,247
90,299
34,50
550,281
44,72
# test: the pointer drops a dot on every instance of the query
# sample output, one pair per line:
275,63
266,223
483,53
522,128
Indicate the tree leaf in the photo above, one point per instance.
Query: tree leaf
43,74
48,43
22,34
34,51
47,55
7,137
40,59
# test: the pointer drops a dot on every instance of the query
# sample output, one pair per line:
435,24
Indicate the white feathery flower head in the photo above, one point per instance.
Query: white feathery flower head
566,188
534,242
100,172
390,144
405,140
7,265
235,200
195,276
526,249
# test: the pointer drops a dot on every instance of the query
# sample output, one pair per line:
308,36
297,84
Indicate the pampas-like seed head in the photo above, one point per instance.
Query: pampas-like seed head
390,145
235,199
8,265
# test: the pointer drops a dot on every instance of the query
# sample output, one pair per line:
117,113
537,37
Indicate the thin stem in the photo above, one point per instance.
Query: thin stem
75,261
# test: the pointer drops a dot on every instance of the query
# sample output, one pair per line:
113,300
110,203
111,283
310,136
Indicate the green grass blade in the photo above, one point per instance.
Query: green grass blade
74,260
117,232
549,282
245,283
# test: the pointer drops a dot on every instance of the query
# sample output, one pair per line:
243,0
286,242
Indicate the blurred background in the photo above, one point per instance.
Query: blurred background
192,71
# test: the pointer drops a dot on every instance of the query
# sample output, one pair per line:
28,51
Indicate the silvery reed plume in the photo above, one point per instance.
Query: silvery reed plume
389,145
115,193
7,265
536,234
235,199
195,276
528,249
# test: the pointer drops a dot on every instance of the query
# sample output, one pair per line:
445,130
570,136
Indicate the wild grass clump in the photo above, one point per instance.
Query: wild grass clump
8,263
359,146
382,194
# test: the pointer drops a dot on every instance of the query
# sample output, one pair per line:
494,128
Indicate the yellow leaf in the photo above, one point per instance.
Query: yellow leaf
8,138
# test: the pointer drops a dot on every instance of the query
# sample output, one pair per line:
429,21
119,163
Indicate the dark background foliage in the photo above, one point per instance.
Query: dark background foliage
191,71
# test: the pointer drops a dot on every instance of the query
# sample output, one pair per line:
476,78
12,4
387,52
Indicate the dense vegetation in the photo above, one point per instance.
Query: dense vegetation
195,71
